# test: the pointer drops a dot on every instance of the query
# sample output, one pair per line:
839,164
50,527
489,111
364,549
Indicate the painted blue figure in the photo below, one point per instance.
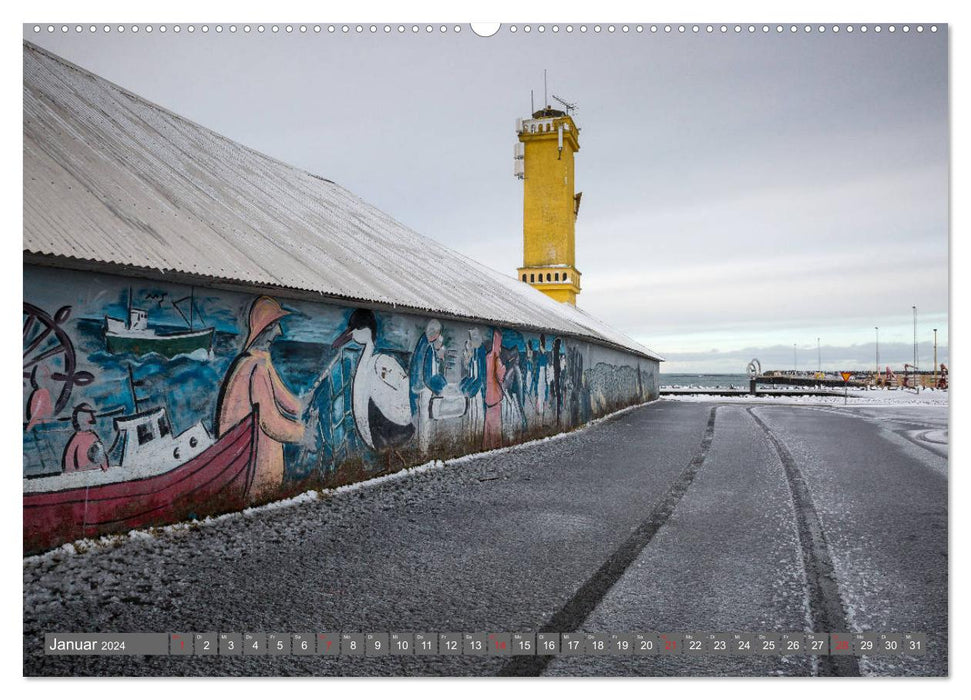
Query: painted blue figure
473,384
427,377
534,364
330,411
557,365
528,367
541,385
513,387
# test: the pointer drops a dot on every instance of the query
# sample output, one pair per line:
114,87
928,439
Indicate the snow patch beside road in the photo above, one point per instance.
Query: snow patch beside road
857,397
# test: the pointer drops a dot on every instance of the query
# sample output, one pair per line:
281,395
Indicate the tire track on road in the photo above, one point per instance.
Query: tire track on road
932,448
590,594
825,604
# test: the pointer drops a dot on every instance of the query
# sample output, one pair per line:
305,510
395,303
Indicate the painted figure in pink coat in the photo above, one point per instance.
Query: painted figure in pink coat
84,450
495,374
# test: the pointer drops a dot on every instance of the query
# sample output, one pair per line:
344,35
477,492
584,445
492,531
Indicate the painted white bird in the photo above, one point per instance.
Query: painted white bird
380,388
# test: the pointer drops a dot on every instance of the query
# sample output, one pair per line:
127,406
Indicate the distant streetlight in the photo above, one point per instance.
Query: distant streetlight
935,358
795,365
916,386
877,329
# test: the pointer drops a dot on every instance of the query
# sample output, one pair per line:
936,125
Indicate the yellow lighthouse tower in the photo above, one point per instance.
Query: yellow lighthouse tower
544,161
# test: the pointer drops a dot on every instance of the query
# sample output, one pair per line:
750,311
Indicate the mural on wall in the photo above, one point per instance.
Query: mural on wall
380,389
147,403
252,385
134,335
47,343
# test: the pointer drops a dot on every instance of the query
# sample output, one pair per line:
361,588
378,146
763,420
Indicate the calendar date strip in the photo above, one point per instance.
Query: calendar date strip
373,644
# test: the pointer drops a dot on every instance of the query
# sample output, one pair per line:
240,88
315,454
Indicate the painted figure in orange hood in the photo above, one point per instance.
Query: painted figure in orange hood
253,381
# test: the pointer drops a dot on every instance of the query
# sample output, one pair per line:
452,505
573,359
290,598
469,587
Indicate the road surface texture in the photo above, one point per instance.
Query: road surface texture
675,516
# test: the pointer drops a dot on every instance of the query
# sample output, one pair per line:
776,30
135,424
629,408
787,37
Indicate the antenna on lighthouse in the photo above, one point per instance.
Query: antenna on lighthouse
532,106
545,99
570,106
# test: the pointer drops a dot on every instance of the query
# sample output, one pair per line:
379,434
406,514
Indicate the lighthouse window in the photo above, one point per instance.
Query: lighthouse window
532,277
547,276
163,427
556,276
524,277
144,433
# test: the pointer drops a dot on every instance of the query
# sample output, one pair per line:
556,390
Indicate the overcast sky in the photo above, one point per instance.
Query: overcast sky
741,192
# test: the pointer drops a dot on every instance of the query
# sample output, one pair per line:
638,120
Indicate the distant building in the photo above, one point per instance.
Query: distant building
544,160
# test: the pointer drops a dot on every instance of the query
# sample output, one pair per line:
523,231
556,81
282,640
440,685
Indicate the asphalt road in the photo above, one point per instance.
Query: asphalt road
672,517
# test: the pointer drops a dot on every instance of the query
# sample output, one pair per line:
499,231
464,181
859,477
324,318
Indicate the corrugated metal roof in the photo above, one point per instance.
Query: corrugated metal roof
112,178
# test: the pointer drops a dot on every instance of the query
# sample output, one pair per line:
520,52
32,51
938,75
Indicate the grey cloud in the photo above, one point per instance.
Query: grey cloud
780,357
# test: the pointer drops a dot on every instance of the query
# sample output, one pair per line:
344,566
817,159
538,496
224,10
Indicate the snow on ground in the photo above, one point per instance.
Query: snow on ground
854,397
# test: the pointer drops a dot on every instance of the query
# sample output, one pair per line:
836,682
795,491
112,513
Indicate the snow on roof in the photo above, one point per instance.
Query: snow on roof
112,178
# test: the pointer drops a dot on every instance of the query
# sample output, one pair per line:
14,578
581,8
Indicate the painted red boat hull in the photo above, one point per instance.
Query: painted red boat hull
216,480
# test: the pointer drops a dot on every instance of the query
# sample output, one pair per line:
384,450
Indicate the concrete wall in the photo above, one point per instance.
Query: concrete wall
195,401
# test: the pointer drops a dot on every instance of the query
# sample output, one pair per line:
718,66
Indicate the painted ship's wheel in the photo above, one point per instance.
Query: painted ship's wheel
46,342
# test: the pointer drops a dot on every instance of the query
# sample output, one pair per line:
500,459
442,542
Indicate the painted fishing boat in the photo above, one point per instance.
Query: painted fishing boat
146,439
94,503
137,338
134,335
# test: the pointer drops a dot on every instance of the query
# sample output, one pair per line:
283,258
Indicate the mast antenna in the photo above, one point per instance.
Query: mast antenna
570,106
